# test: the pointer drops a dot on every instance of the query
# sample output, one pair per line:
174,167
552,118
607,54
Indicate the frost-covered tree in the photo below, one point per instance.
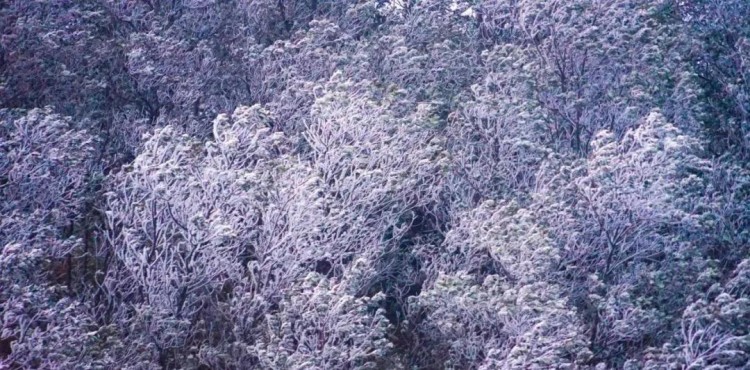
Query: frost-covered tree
45,176
620,224
181,223
61,54
321,324
719,54
712,331
493,304
589,65
493,148
253,213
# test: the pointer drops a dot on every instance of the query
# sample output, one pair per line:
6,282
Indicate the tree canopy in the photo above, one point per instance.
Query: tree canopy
375,184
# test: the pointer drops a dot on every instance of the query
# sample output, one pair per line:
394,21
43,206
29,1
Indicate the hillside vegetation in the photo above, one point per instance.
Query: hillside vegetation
373,184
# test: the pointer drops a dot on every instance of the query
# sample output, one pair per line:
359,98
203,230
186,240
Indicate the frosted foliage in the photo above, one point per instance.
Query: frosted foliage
627,190
177,216
492,148
498,325
622,210
320,325
503,240
498,310
374,184
713,331
172,244
45,163
589,65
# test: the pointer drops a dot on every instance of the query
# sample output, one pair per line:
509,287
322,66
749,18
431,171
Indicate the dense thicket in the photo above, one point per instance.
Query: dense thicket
372,184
